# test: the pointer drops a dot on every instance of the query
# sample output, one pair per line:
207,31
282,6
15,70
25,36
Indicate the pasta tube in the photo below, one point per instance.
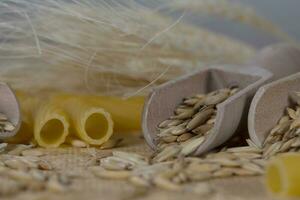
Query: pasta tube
126,114
90,118
90,123
24,134
51,125
283,175
42,121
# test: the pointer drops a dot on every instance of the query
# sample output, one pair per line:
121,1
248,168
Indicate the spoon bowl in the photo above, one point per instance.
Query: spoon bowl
272,63
9,106
269,105
163,100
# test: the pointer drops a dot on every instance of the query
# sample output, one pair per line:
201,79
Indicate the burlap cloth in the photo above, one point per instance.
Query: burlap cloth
74,161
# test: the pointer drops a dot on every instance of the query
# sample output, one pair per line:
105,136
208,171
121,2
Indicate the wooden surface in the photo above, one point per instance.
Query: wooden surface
86,186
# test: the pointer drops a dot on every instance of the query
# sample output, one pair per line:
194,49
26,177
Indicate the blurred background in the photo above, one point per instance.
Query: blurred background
284,14
126,47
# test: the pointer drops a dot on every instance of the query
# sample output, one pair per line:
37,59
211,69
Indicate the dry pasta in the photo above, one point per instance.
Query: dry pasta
51,125
89,122
282,175
126,113
50,119
42,121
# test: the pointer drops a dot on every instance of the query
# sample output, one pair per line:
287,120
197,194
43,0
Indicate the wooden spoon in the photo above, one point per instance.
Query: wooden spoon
9,106
271,100
163,100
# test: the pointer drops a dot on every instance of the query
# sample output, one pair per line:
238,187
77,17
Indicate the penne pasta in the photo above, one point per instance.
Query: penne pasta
89,122
50,119
24,134
283,177
42,120
126,113
51,125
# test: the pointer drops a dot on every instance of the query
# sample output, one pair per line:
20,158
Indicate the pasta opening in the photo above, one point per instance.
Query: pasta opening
96,126
274,179
52,131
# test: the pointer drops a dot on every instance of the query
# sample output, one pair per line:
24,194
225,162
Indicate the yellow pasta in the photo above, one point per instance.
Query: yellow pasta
24,134
283,175
49,118
42,121
51,125
89,122
126,113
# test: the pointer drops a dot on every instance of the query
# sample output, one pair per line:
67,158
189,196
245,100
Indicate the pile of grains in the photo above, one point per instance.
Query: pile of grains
5,124
22,168
191,123
172,173
285,135
25,167
170,168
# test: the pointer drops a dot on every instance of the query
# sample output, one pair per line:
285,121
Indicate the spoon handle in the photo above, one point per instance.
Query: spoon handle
280,59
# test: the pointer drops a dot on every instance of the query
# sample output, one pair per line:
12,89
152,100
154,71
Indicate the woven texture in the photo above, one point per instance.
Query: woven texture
74,162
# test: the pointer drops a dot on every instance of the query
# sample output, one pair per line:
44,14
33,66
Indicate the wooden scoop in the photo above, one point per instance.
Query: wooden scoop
9,106
163,100
271,100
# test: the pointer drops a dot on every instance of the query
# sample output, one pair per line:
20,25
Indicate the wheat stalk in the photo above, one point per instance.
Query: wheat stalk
105,47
